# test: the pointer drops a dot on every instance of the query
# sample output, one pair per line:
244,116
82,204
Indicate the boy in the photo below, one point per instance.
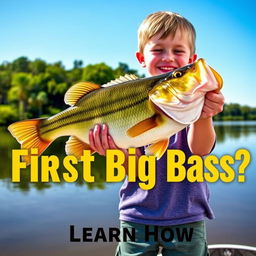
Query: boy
166,42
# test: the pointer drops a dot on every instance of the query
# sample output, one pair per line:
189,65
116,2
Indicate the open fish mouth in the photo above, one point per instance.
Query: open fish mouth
181,95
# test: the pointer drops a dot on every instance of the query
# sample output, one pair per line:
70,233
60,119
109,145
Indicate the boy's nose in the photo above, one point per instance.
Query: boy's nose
168,57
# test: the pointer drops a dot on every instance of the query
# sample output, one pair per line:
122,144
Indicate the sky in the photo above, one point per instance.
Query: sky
106,31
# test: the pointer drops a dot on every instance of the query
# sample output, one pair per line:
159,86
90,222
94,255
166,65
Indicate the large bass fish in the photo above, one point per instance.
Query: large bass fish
137,111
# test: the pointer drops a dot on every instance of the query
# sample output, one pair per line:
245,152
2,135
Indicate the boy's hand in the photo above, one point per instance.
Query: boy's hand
100,140
213,104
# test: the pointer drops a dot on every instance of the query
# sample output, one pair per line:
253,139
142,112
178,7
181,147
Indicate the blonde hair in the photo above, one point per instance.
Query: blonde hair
165,23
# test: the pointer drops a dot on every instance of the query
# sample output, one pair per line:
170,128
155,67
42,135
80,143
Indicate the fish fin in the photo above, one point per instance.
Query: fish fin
77,91
120,80
75,147
218,78
27,133
157,149
143,126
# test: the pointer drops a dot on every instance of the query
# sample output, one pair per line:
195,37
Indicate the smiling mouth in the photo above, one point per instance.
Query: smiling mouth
166,69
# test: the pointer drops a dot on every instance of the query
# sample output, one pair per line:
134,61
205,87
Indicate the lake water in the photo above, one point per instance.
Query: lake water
35,218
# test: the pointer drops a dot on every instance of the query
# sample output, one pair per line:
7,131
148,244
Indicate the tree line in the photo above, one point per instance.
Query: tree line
29,89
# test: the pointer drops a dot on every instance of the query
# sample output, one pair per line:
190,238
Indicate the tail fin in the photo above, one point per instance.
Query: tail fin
27,133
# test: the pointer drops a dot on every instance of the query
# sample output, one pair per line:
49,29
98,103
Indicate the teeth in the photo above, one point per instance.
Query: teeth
166,68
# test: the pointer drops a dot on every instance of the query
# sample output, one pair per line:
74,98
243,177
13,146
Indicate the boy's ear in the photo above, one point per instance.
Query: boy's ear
192,58
140,58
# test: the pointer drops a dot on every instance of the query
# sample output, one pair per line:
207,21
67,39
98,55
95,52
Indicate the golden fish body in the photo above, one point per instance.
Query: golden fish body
138,112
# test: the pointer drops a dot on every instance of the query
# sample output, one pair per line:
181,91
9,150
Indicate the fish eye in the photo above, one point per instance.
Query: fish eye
177,74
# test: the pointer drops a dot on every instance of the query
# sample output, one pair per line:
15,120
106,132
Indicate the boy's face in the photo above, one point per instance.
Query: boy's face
165,55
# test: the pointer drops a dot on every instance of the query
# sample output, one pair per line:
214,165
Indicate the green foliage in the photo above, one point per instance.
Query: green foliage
39,82
56,72
123,69
37,66
54,88
5,84
53,111
98,73
37,101
74,75
78,64
236,112
20,65
29,89
21,83
8,114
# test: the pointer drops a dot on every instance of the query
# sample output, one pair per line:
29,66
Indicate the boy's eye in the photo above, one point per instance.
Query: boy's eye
179,51
157,50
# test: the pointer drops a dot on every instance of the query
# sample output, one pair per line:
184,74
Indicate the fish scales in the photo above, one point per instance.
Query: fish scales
94,108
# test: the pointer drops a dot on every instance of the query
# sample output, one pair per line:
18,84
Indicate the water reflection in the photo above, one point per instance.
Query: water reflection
7,143
225,131
35,217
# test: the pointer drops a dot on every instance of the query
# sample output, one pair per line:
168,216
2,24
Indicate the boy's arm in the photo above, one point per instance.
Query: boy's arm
201,134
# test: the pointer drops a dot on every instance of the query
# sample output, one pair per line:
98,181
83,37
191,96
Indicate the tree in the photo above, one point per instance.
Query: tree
21,65
41,99
5,84
245,111
36,102
98,73
123,69
56,72
37,66
6,66
74,75
235,109
20,90
78,64
39,82
8,114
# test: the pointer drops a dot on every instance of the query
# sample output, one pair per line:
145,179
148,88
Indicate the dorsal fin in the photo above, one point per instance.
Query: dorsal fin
77,91
120,80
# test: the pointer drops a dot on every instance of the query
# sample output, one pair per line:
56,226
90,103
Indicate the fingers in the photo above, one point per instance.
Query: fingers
216,97
91,140
104,137
112,143
95,139
100,140
213,104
